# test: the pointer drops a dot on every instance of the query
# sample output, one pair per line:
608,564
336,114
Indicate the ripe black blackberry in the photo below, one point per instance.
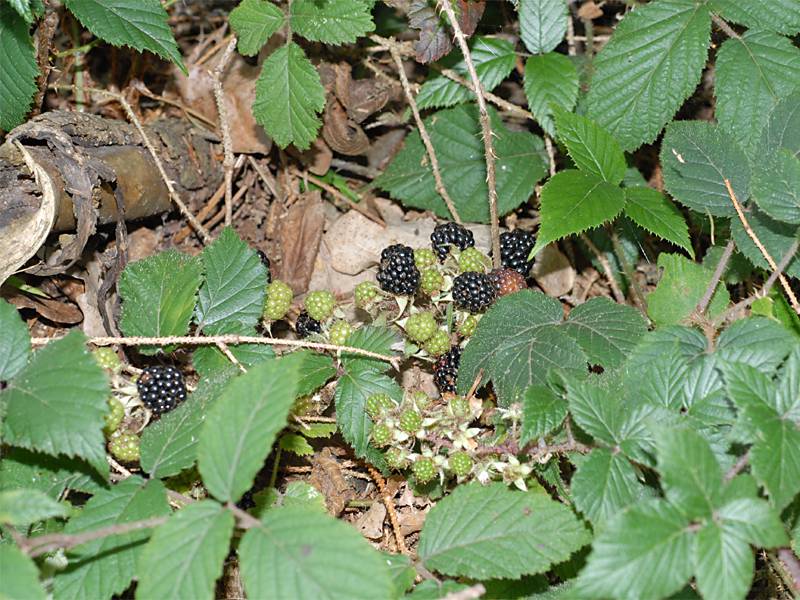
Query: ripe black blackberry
445,370
305,325
397,273
473,292
161,388
515,246
265,260
450,234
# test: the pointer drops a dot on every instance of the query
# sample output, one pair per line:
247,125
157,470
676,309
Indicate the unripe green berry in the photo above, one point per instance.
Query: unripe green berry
459,406
424,469
438,343
420,326
468,326
114,415
472,259
125,447
107,358
365,293
431,281
424,258
339,332
396,458
421,400
279,300
381,435
460,463
319,304
378,404
410,421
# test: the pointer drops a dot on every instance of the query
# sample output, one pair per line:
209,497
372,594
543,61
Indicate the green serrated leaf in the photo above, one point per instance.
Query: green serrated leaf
142,26
607,332
313,372
184,557
517,341
542,24
788,392
665,342
776,187
209,361
758,342
296,444
782,16
374,338
542,411
331,21
300,552
169,445
651,210
574,201
20,575
51,475
592,148
696,158
240,428
27,9
158,295
352,390
18,75
289,97
776,237
724,565
235,284
493,59
644,552
57,402
22,507
455,135
770,64
652,63
106,566
690,474
15,343
254,21
783,127
550,80
604,484
754,521
488,532
680,289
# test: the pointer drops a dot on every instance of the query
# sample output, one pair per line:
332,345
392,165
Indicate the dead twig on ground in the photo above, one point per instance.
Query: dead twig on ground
224,126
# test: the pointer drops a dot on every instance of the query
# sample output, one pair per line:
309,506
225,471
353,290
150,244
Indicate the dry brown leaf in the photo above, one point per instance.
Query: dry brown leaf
326,476
589,11
553,272
343,134
370,524
60,311
300,235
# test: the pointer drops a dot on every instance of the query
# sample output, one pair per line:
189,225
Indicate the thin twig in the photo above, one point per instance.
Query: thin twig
725,27
551,154
765,289
486,128
43,544
715,279
738,467
469,593
770,261
230,339
223,347
224,126
423,131
387,501
341,197
603,260
173,194
245,519
792,565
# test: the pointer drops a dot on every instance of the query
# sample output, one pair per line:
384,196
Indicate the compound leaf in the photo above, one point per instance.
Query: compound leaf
289,97
651,210
782,16
301,552
18,75
649,67
542,411
491,531
591,147
604,484
724,564
776,187
550,80
542,24
331,21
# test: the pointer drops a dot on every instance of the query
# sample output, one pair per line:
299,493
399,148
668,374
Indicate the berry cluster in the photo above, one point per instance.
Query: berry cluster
161,388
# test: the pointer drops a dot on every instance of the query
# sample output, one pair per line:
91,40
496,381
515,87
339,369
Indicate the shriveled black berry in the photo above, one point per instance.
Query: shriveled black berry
305,325
473,292
446,235
515,246
265,260
445,370
161,388
397,273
